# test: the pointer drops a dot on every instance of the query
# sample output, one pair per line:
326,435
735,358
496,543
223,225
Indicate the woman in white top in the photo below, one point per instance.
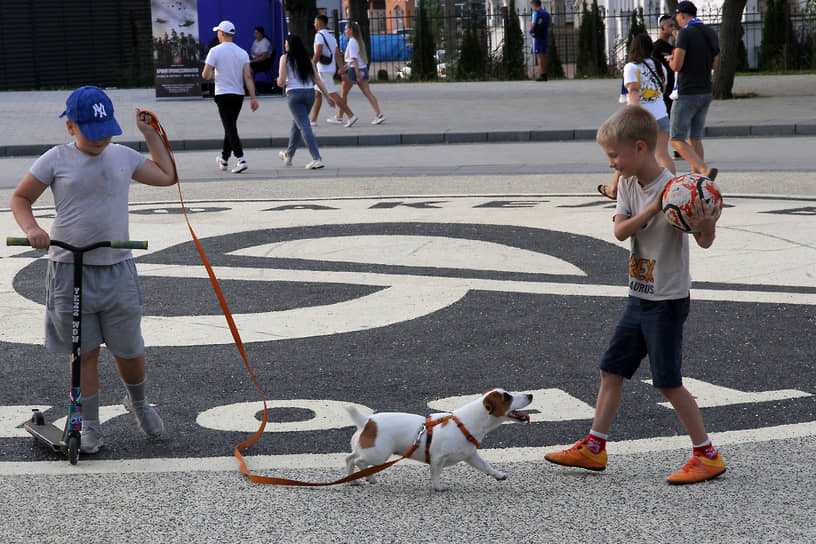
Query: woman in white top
260,58
297,74
357,70
645,82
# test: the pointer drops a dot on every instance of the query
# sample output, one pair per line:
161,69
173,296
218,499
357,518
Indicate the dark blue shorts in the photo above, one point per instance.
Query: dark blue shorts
540,46
653,328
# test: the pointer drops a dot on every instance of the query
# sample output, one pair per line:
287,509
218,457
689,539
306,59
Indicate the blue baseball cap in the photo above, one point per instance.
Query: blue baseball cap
91,109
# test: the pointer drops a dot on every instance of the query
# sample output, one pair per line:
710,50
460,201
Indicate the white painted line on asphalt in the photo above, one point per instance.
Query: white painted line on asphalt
336,461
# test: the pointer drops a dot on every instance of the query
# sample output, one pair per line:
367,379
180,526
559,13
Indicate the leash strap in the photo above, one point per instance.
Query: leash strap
240,345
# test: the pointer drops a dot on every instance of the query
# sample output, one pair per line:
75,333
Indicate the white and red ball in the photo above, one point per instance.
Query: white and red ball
681,195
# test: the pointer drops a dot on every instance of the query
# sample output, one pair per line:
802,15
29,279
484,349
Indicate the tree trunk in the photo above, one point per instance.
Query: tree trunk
730,37
301,20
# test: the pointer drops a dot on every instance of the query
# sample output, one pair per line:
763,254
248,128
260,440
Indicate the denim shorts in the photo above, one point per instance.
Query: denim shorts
353,75
653,328
663,124
111,308
689,116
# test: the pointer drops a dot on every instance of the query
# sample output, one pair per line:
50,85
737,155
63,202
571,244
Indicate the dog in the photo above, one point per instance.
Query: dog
441,439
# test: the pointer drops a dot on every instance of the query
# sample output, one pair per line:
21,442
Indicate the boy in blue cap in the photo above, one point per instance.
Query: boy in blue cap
90,179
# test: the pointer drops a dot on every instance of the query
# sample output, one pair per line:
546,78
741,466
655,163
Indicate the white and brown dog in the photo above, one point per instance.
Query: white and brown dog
441,440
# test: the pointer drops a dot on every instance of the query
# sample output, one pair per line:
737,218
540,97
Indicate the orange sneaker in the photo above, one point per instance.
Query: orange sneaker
698,469
578,456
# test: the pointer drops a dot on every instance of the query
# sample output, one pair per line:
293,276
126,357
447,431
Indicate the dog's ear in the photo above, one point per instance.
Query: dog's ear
491,402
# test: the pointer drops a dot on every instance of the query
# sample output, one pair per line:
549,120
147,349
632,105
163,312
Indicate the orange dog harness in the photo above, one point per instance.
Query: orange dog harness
431,423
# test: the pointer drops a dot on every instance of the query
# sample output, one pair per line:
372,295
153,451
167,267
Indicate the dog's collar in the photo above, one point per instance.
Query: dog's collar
431,423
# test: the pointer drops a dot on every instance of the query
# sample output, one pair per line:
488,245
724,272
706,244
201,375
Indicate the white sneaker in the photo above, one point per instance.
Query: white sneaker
222,164
284,156
240,167
91,439
147,418
334,121
315,164
378,120
313,123
351,121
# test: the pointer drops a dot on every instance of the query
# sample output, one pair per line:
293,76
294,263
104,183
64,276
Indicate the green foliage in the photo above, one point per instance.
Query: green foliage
555,70
513,54
472,63
591,43
423,60
636,26
779,48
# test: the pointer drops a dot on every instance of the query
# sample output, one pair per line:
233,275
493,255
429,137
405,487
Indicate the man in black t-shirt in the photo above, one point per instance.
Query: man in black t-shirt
695,55
662,49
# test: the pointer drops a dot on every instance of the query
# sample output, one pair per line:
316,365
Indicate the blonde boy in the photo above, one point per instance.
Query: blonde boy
658,304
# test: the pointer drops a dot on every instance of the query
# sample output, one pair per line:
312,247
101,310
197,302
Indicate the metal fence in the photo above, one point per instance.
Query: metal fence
392,40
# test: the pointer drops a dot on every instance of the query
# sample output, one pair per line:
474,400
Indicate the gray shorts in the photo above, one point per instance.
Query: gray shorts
688,116
663,124
111,308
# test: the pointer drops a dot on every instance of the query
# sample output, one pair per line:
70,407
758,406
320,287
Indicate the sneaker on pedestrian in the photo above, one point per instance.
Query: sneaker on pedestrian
313,123
91,438
284,156
315,164
222,164
542,77
335,120
240,167
698,469
378,120
579,456
351,121
147,418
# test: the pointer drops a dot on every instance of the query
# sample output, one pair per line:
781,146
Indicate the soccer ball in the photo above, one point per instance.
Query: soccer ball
681,195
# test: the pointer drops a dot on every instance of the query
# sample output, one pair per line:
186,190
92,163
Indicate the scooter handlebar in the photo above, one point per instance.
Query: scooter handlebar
118,244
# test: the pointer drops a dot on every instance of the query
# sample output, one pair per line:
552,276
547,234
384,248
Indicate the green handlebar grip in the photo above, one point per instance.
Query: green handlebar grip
12,241
129,244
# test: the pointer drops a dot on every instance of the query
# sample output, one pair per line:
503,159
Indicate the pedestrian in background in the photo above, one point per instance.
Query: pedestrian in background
326,53
695,55
357,70
298,75
228,64
539,29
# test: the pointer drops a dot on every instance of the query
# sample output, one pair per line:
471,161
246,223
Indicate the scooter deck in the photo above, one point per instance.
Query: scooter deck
48,434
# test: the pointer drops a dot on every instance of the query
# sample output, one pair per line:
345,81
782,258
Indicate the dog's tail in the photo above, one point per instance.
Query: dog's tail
359,419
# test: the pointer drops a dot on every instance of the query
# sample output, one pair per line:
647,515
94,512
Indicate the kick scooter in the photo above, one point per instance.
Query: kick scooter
67,440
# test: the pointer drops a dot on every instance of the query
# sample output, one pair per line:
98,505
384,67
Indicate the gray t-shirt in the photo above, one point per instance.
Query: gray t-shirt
659,254
91,198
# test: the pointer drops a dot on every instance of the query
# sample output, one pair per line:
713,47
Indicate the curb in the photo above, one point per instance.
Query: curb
434,138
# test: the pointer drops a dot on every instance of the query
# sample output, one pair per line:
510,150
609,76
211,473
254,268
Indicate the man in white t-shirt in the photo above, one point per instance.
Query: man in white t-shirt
228,64
326,46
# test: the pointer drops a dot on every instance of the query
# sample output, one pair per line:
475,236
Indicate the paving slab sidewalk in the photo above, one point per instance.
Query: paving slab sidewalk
420,113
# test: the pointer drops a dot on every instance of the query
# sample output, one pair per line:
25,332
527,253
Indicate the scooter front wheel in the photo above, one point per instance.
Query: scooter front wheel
73,448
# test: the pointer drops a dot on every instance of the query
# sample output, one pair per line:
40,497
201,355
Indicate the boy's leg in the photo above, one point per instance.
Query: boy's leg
609,399
133,374
688,412
91,440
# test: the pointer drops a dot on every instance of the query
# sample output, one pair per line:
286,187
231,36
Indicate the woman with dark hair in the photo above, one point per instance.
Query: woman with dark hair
297,74
645,81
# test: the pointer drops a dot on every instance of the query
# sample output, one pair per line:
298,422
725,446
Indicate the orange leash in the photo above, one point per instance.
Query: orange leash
240,345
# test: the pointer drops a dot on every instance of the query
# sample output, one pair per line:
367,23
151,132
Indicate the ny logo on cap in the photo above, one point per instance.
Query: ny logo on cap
99,110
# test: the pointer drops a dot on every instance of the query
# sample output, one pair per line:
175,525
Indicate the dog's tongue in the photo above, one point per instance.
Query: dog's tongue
521,416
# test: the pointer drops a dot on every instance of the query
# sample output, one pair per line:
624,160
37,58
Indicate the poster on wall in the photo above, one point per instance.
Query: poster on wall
176,48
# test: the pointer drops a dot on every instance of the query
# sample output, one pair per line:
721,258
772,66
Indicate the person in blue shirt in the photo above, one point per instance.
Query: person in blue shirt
539,28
